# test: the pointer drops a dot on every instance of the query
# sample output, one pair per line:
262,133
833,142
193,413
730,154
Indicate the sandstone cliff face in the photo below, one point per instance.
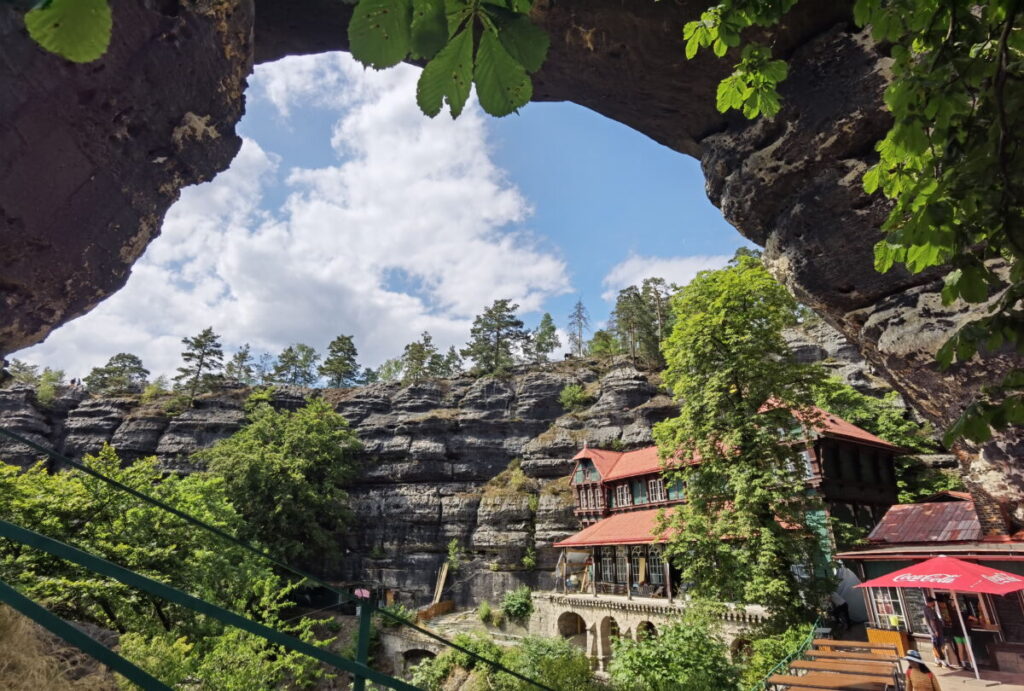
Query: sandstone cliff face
432,451
110,145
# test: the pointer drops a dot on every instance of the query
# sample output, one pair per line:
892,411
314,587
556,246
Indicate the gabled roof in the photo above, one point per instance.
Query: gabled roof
942,521
629,528
616,465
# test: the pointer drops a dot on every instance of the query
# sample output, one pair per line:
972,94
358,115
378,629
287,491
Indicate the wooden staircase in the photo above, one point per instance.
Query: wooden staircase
846,665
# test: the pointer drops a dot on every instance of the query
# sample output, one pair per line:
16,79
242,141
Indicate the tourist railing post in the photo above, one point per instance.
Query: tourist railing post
363,645
668,581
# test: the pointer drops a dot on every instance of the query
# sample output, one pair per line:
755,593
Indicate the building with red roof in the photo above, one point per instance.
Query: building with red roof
619,495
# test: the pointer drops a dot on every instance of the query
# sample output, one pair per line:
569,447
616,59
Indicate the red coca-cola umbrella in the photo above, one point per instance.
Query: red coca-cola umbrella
947,573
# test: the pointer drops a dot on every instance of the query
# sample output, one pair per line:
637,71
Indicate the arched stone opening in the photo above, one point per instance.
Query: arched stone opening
573,628
414,656
645,629
608,631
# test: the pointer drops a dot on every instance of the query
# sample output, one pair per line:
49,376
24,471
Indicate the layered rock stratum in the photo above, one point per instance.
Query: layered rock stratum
433,453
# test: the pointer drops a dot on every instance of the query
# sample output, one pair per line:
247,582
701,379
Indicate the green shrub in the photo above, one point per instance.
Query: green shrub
553,661
574,397
49,382
497,618
399,610
483,612
768,651
685,656
455,555
518,604
529,560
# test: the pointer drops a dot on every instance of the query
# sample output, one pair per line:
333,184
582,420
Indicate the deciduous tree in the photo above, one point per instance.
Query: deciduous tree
750,531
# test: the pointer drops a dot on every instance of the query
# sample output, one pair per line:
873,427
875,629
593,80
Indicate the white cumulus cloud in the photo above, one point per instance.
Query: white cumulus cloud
680,270
412,228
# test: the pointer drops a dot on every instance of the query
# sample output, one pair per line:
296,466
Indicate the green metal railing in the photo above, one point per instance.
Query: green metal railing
357,667
784,662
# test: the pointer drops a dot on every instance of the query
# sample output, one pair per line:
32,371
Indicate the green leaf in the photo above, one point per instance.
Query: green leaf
526,42
447,77
77,30
429,28
378,32
872,179
776,70
972,286
502,84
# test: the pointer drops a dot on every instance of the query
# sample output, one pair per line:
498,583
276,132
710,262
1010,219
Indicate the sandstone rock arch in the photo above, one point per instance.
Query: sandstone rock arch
95,154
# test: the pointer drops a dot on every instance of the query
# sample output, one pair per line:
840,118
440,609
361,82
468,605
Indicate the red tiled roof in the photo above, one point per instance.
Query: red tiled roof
943,521
640,462
629,528
603,459
835,426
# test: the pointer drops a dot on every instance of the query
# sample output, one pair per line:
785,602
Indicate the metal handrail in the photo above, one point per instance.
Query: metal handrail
762,685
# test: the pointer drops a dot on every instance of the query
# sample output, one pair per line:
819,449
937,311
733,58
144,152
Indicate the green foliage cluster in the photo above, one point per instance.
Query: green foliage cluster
286,472
952,161
495,337
511,482
529,560
768,651
883,416
555,662
167,640
916,481
203,360
340,367
641,320
464,42
398,610
689,655
123,372
518,604
298,365
483,612
77,30
456,555
574,397
727,359
46,382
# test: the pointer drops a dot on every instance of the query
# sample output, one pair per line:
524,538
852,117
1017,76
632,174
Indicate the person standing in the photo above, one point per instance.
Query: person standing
936,628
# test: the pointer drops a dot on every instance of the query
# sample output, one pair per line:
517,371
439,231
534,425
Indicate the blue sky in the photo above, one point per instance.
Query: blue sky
347,211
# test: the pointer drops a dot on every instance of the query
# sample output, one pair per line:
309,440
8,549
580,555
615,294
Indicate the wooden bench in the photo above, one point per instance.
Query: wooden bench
829,643
865,655
848,666
832,680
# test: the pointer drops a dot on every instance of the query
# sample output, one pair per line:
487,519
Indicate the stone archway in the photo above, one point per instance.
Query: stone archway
413,657
573,628
645,629
607,631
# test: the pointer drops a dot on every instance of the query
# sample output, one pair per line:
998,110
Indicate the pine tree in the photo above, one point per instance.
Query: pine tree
495,337
631,319
390,370
340,367
418,358
23,373
123,372
603,344
263,370
544,340
240,367
447,366
579,321
297,365
204,361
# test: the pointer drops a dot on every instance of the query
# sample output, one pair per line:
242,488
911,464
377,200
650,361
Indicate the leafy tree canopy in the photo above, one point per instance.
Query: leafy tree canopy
297,365
286,471
749,532
169,641
123,372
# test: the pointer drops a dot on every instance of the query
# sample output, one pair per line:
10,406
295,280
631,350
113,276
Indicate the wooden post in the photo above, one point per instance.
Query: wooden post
668,580
967,635
629,577
593,567
363,644
562,560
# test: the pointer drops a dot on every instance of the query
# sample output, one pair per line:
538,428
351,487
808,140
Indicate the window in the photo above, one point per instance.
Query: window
607,564
656,489
622,495
595,499
676,490
887,608
620,565
639,488
655,566
636,555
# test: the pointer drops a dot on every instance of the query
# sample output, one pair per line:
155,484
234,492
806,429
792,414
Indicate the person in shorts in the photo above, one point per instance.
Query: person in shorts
937,629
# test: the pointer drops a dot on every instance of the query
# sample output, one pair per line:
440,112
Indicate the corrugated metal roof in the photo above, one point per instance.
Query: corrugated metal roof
629,528
943,521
